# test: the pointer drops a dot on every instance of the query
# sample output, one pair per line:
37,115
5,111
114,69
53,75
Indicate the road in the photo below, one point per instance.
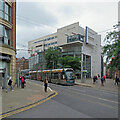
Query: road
75,102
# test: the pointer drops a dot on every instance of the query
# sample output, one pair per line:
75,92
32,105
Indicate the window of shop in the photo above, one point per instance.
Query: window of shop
5,11
4,35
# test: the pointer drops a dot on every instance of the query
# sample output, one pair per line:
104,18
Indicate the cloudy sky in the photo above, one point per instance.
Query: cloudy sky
40,18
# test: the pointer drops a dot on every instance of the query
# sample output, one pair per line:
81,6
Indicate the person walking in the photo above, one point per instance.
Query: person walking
22,81
98,77
94,79
10,84
116,80
45,84
104,78
102,81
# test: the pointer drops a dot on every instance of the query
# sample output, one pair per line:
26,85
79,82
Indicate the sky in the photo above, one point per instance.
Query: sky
38,18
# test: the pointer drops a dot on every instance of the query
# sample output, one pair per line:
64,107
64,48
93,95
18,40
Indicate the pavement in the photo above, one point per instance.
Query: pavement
108,85
34,93
22,97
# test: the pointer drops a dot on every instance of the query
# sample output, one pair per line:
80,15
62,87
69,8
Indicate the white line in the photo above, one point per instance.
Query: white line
50,89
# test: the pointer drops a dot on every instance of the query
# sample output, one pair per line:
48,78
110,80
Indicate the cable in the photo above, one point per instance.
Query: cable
34,22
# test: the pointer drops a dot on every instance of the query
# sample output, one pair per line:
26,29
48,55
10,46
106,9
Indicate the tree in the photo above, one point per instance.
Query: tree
112,49
51,56
69,61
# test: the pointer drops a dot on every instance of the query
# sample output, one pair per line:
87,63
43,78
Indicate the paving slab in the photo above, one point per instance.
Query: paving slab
108,85
21,97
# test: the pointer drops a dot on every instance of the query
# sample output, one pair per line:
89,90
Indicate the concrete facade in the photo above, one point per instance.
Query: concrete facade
119,15
8,42
42,43
77,41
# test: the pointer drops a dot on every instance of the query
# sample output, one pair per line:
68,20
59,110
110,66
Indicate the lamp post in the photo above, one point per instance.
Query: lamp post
82,64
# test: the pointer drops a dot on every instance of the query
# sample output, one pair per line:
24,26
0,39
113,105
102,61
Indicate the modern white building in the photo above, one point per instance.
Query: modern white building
119,15
74,40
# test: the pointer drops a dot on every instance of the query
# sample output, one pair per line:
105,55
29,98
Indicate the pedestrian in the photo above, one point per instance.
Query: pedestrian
20,78
10,84
22,81
104,78
94,79
98,77
116,80
102,81
45,84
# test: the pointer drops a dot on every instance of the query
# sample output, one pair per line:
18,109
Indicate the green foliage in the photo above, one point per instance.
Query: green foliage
112,49
69,61
51,56
53,59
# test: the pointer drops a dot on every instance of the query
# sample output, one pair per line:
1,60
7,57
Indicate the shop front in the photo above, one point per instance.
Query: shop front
4,69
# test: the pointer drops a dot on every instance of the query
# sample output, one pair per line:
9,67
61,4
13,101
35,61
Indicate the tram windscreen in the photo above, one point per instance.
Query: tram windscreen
70,75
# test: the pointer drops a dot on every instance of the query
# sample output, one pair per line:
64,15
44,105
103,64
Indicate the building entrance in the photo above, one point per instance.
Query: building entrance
3,79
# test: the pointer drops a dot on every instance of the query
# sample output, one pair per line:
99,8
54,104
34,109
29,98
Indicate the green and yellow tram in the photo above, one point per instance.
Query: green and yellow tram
64,76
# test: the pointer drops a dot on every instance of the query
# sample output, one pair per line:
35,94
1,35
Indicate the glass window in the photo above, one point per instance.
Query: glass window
6,8
1,40
1,30
6,17
1,5
9,11
5,11
4,35
1,14
6,41
7,33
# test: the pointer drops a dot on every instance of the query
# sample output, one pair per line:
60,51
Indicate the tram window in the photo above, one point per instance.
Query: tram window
39,74
59,76
62,75
52,75
55,75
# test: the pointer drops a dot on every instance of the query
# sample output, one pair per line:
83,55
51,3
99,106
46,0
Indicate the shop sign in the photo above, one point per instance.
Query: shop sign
4,58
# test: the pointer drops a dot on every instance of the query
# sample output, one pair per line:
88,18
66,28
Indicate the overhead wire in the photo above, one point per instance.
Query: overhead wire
35,22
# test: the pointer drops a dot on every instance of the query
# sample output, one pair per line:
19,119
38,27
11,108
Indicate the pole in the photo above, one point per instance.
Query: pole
81,63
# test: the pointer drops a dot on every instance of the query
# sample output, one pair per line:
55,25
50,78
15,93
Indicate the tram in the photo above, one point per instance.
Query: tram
64,76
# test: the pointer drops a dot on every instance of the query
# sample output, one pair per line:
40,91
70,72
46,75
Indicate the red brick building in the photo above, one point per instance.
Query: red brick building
22,64
7,41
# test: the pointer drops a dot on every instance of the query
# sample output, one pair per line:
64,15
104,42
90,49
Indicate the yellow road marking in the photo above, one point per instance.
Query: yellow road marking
28,107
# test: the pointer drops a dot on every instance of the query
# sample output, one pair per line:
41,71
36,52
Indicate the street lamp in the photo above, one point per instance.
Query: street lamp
82,63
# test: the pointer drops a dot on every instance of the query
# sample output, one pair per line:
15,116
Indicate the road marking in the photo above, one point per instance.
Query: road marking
102,104
92,96
40,84
50,89
99,98
28,107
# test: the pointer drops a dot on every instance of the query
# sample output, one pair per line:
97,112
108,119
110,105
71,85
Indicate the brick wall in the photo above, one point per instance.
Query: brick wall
13,21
